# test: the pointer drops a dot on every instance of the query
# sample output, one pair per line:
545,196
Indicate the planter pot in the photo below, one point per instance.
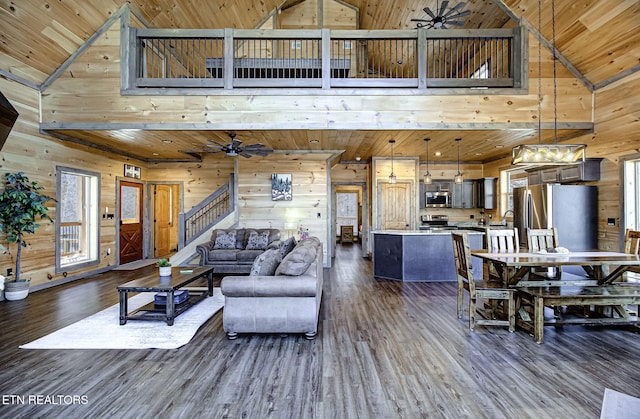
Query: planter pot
16,290
165,270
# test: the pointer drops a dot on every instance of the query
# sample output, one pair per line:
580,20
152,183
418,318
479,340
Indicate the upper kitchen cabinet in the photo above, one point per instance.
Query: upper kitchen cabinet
486,193
587,171
463,195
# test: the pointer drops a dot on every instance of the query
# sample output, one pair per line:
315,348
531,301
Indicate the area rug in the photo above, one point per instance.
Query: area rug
103,330
135,265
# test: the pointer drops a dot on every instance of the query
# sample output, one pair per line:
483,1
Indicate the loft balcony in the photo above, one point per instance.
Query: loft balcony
228,61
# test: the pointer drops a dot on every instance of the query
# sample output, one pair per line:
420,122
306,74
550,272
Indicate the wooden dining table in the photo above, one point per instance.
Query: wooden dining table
599,289
601,266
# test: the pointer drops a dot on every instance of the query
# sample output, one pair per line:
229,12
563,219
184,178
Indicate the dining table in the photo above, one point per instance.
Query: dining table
601,266
596,288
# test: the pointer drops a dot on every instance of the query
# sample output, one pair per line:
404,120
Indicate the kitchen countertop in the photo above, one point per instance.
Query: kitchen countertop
421,232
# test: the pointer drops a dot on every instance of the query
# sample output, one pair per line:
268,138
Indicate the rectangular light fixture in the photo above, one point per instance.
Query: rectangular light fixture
548,154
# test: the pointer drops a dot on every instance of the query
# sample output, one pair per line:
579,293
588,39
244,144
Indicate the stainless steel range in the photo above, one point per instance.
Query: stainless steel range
436,222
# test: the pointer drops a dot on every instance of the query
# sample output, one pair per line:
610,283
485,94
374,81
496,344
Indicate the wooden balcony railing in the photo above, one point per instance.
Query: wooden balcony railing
324,59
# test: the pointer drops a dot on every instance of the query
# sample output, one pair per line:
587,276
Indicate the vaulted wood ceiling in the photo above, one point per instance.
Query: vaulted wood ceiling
600,39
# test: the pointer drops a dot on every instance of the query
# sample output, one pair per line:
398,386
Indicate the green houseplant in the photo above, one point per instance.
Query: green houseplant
165,267
21,206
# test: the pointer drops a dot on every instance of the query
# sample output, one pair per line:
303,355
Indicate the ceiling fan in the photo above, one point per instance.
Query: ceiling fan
234,148
443,17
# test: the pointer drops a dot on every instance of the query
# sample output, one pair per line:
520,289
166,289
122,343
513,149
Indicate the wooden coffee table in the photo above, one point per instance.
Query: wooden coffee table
180,277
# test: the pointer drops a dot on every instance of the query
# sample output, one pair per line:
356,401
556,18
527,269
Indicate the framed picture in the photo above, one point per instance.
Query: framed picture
132,171
281,187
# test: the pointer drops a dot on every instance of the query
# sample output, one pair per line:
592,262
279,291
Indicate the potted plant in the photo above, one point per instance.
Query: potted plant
165,267
21,206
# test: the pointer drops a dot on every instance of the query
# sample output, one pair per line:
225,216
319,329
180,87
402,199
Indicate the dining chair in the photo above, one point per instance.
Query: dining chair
478,290
632,245
539,239
504,240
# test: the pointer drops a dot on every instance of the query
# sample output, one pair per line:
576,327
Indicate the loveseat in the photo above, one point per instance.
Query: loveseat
281,295
234,250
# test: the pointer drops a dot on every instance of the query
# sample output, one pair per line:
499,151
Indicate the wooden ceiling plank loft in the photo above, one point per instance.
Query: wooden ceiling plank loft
596,40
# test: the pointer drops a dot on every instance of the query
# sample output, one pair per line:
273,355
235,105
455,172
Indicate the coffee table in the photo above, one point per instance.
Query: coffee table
180,277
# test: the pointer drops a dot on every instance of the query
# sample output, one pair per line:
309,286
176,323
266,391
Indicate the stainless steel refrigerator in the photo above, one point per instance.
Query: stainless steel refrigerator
571,209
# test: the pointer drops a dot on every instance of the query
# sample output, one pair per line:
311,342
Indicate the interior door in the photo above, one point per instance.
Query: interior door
395,206
163,219
130,222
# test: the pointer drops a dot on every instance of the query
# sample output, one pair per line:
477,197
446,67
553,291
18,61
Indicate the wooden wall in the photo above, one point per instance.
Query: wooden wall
38,155
199,180
89,91
309,206
617,135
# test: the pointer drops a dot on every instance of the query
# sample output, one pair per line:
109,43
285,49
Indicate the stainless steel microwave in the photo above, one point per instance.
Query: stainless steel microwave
438,199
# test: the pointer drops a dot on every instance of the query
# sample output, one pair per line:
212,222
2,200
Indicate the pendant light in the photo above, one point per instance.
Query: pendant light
392,176
458,179
548,154
427,176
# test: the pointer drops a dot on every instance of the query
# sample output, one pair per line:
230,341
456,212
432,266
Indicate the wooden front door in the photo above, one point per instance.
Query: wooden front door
395,206
130,222
163,221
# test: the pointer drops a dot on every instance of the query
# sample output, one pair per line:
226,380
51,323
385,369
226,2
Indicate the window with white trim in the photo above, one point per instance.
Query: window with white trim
77,218
632,194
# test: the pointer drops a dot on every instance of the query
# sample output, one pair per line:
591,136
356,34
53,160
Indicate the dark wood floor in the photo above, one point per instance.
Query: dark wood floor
384,350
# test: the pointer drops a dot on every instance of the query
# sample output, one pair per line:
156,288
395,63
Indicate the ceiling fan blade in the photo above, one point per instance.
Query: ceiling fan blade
465,13
458,6
213,141
455,23
420,20
443,7
429,12
244,154
252,146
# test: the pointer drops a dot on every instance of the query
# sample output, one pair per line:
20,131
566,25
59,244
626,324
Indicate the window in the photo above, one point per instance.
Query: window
77,220
631,194
510,179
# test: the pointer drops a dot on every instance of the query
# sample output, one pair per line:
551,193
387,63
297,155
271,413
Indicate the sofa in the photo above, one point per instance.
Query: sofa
281,295
234,250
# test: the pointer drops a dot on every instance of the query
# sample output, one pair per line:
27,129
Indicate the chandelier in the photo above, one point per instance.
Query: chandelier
427,179
548,154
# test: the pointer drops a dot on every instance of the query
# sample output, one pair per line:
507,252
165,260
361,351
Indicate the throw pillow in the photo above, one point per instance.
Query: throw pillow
225,240
297,261
258,241
266,263
287,246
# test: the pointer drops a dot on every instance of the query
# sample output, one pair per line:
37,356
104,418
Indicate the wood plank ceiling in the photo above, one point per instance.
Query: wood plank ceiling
600,39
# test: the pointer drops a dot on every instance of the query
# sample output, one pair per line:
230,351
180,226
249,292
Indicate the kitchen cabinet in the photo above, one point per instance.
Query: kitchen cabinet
486,193
587,171
463,195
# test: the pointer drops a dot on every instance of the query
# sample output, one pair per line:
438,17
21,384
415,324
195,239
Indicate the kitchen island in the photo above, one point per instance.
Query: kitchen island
419,255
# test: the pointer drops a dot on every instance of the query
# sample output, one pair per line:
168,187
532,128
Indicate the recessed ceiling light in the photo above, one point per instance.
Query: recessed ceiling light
156,154
438,153
314,141
358,158
167,141
499,146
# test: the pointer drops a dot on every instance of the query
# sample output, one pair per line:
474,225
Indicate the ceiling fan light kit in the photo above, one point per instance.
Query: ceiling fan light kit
235,148
442,17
